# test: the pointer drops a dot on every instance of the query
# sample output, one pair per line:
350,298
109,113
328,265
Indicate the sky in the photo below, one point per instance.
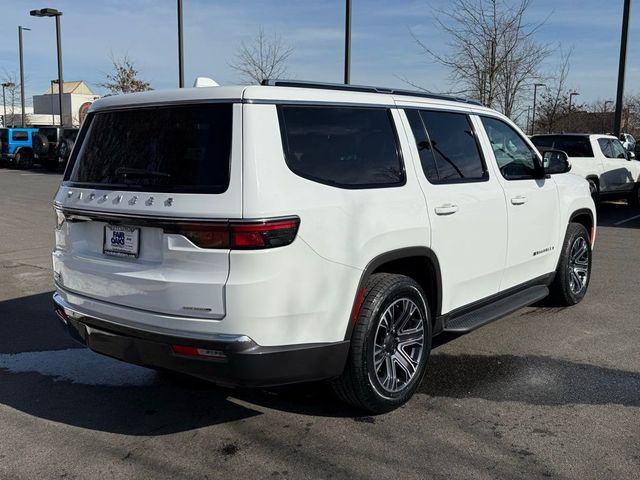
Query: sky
383,50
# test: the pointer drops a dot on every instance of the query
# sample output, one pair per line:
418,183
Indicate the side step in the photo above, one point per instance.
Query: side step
465,322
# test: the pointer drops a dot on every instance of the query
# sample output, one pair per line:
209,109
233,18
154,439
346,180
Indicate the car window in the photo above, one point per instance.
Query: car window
516,159
427,159
572,145
453,144
182,148
605,147
617,150
349,147
19,136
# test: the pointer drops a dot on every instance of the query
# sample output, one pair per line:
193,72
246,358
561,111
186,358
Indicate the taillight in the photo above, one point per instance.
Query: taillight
187,351
249,235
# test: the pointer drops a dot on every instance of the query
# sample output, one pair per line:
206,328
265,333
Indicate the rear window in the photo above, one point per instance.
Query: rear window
183,149
572,145
50,133
348,147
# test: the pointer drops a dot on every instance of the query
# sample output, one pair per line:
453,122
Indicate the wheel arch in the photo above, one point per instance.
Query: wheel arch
419,263
583,216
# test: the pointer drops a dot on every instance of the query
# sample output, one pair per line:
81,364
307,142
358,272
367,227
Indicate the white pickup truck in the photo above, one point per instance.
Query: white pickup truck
611,170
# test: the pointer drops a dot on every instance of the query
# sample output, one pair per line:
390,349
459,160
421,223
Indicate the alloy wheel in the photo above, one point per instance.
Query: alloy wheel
398,345
578,265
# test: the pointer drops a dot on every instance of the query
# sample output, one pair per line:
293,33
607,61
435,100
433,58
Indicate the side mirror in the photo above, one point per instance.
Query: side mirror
555,161
631,155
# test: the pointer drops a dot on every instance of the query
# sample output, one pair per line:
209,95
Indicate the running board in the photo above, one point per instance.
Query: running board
468,321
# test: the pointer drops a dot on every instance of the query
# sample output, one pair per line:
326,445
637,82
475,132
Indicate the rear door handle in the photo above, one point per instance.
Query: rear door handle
519,200
447,209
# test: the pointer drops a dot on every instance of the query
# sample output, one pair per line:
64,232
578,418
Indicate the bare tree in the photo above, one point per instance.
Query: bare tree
124,78
265,57
553,109
493,54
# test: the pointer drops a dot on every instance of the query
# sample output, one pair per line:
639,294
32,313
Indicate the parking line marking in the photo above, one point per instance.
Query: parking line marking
626,220
30,174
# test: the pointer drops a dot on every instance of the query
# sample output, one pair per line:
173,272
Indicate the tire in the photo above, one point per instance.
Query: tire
377,341
40,144
24,160
634,198
574,267
594,189
64,150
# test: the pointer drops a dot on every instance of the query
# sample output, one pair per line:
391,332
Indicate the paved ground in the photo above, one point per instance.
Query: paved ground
545,393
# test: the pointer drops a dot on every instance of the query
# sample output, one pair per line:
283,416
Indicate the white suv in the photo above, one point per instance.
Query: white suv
611,170
264,235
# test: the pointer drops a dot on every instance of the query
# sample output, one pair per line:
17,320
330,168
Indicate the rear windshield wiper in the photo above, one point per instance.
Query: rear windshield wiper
140,172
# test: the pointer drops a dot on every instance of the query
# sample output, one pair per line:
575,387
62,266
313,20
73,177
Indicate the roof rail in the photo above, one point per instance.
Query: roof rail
364,88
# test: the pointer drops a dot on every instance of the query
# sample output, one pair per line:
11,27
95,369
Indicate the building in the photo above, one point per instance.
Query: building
14,117
75,96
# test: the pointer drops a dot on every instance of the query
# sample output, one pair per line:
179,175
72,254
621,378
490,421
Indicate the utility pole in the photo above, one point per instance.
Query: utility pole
347,44
617,122
180,47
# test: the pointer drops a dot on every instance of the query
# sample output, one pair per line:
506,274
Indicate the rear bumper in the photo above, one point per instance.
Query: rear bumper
242,362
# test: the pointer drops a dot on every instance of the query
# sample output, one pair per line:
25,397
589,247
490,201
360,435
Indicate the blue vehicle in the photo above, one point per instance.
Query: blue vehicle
16,146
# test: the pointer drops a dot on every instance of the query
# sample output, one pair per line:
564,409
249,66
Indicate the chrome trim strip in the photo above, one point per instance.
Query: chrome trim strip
194,101
319,103
77,314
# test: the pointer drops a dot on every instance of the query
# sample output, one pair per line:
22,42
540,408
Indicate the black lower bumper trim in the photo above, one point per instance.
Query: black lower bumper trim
245,363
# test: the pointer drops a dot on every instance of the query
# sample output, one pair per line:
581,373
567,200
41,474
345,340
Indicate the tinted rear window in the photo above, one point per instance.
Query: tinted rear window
50,133
573,145
172,149
350,147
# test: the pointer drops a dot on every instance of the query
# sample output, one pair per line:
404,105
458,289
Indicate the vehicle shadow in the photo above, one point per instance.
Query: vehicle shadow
44,374
618,214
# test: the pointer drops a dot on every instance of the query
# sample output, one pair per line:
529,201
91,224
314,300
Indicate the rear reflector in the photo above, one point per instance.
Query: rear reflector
197,352
242,235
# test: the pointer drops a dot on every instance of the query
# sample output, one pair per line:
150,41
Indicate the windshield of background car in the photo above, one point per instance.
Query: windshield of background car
572,145
184,148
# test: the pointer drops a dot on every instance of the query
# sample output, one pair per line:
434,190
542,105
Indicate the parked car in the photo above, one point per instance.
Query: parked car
16,146
628,142
290,232
612,171
52,145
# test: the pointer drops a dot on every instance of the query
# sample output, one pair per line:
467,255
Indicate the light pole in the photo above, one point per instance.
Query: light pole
617,122
347,44
52,12
20,29
533,115
53,117
4,101
180,47
571,95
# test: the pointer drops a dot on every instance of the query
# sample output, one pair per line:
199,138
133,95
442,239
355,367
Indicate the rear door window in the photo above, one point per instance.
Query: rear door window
184,149
347,147
449,138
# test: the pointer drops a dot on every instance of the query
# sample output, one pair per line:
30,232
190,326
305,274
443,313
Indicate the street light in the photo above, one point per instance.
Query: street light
52,12
347,44
533,115
20,29
4,101
53,117
605,113
571,95
180,47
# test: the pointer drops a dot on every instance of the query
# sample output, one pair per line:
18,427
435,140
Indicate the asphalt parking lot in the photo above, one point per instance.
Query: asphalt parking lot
544,393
